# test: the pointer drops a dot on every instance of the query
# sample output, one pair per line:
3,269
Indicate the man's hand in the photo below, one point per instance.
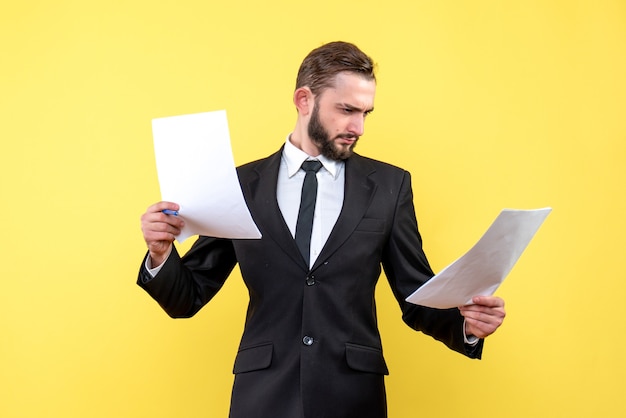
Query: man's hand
484,316
160,230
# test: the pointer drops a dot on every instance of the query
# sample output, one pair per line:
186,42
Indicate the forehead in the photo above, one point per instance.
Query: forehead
352,89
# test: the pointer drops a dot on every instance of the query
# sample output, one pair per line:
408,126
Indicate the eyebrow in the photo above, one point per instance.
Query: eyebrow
355,108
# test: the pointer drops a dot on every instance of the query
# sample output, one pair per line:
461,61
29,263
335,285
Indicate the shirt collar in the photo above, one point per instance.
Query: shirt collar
294,157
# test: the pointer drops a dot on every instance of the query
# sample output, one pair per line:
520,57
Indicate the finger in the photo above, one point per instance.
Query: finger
161,228
160,206
488,316
474,308
479,329
481,324
160,242
168,226
153,218
482,328
490,301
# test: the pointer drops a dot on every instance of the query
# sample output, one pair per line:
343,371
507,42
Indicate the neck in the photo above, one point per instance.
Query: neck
300,139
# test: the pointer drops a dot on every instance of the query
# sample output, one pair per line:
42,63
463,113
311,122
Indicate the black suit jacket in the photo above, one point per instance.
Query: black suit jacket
311,346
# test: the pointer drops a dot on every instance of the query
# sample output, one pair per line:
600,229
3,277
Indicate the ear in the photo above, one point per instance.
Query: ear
303,99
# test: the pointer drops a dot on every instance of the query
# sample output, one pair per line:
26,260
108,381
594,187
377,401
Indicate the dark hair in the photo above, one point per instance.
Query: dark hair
319,68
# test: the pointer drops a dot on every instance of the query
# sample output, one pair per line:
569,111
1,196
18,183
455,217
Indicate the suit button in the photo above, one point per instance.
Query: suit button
307,340
310,280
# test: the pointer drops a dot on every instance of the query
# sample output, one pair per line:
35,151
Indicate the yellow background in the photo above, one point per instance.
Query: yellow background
489,104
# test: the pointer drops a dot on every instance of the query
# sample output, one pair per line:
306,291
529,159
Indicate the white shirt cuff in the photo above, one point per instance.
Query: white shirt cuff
155,270
471,339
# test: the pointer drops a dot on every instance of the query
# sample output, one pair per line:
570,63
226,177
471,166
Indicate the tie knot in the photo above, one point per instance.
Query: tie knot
311,165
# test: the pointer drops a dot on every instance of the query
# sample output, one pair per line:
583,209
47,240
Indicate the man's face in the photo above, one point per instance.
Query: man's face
338,117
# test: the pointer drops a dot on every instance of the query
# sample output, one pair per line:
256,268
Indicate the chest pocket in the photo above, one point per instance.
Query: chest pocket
371,225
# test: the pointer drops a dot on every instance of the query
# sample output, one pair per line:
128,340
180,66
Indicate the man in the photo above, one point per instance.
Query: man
311,346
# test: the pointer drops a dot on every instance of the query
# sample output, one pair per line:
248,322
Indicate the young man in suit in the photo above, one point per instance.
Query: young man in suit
311,346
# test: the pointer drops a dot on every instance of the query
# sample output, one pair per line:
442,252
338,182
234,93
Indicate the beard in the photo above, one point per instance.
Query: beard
320,137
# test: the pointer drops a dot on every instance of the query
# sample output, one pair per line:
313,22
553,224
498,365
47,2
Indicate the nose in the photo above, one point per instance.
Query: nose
357,124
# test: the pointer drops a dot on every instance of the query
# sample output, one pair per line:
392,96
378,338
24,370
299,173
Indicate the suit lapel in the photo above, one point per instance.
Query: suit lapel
358,193
260,192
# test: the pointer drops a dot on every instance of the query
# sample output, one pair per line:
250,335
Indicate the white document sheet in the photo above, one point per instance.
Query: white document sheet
196,169
483,268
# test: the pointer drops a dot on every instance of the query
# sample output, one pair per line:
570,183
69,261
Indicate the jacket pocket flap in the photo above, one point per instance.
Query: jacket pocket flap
254,357
366,359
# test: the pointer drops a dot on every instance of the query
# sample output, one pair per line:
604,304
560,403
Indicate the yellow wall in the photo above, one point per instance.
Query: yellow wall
489,104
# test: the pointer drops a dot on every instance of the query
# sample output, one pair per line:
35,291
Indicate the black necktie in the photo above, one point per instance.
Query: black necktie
307,208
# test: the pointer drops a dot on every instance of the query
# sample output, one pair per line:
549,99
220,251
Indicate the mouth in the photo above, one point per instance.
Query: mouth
347,139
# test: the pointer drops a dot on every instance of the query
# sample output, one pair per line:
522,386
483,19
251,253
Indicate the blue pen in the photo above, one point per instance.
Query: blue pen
170,212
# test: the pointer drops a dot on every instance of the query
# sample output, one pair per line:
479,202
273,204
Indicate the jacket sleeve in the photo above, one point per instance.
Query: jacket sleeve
184,285
407,268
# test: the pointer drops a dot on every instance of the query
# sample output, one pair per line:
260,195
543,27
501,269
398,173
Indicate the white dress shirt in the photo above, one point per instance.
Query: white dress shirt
330,180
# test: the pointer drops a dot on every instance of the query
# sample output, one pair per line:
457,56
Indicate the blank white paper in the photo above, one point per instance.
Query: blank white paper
196,169
483,268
